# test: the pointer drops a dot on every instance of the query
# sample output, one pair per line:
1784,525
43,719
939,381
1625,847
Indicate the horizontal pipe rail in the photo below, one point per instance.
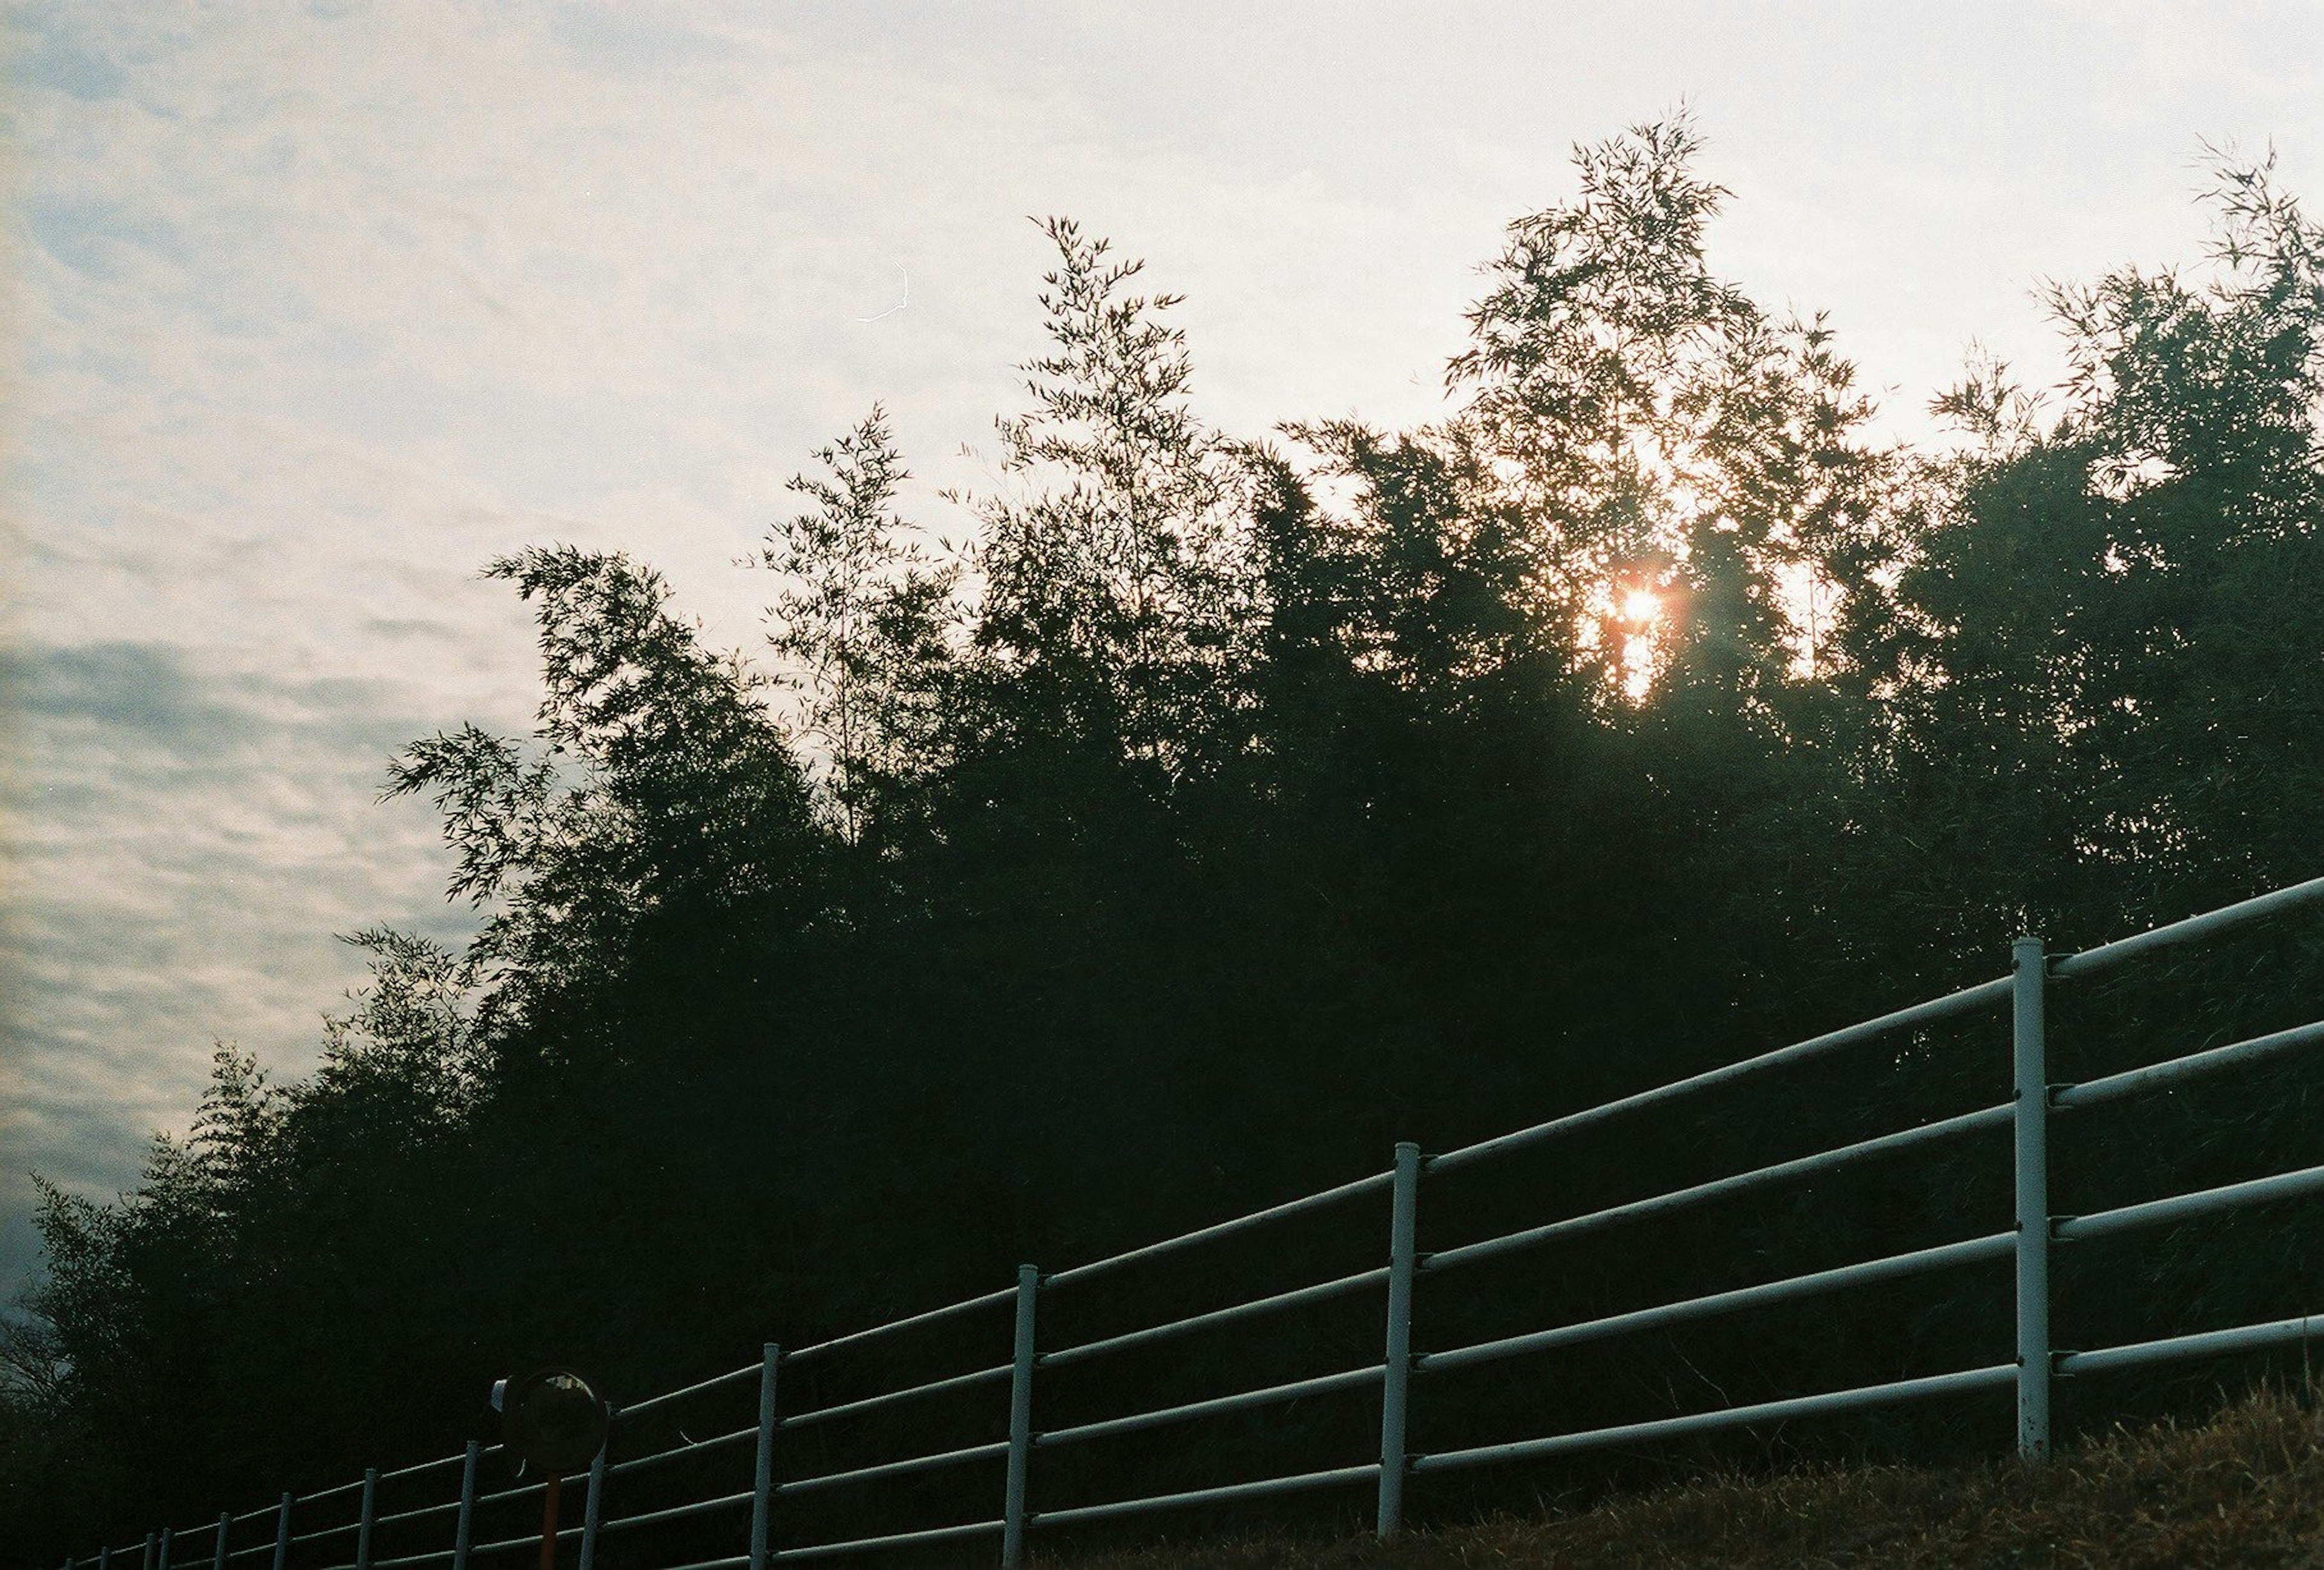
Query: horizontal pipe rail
895,1468
2164,1074
411,1559
415,1468
1323,1384
1975,1379
892,1540
2182,1206
2209,924
692,1447
733,1562
712,1384
1945,1256
530,1540
1368,1472
1298,1296
522,1489
413,1515
1718,1187
319,1533
701,1507
2203,1343
848,1409
1966,1001
820,1348
519,1491
1376,1182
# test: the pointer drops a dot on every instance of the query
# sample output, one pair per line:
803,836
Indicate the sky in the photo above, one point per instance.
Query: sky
308,311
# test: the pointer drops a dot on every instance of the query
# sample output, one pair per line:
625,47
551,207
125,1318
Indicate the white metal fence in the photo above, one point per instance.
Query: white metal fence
317,1531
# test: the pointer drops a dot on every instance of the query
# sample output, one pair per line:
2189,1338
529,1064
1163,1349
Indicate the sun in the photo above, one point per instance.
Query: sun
1642,607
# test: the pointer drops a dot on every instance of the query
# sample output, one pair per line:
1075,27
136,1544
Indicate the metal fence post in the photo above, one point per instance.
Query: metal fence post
225,1524
463,1529
103,1559
1021,1421
593,1508
1397,1367
362,1523
147,1562
762,1486
167,1532
282,1532
2029,1064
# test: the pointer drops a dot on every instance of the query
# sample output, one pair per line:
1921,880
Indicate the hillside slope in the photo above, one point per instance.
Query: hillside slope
2245,1488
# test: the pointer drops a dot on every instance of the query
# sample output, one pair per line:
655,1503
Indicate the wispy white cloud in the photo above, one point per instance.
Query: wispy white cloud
186,841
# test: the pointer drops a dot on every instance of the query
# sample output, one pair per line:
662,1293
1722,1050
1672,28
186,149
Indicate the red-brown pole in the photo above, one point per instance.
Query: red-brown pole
548,1522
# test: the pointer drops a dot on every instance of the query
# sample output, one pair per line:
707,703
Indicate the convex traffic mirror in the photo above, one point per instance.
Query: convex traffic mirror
553,1421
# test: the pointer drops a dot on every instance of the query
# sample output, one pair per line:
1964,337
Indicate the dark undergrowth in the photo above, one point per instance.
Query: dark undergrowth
2243,1487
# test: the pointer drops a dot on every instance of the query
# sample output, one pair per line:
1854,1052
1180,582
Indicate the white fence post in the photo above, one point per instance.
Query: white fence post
593,1510
282,1532
2030,1063
762,1482
464,1527
1397,1367
370,1510
1021,1421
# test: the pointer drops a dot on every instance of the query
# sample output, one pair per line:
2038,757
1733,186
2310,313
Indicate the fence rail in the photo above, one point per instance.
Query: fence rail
2027,1245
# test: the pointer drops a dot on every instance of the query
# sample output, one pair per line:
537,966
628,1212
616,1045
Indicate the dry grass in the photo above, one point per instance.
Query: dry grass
2245,1488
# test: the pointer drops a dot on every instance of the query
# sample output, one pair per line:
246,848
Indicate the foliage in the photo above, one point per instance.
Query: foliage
865,618
1111,561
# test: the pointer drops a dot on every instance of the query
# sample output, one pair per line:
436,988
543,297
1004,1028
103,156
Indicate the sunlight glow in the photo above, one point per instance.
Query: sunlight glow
1624,622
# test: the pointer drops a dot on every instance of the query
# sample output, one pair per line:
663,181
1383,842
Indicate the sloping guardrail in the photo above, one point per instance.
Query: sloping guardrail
355,1544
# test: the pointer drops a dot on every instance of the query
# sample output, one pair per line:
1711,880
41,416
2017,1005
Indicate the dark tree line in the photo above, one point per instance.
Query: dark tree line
1229,808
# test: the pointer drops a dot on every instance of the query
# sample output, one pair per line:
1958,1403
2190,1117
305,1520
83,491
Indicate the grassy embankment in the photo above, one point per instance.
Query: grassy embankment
2244,1488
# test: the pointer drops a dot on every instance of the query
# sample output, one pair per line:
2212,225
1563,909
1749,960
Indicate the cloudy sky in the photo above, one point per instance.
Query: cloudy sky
310,310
